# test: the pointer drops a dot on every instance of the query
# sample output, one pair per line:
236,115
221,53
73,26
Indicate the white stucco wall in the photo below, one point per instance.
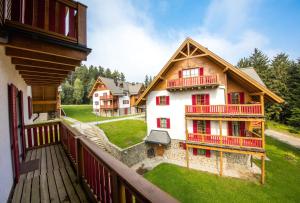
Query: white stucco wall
8,75
100,93
121,99
176,110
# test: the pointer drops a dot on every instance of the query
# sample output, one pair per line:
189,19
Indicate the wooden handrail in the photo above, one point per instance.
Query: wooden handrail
193,81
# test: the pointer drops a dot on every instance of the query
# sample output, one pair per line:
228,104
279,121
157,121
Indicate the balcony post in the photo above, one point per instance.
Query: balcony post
220,126
263,169
186,146
221,163
262,104
263,134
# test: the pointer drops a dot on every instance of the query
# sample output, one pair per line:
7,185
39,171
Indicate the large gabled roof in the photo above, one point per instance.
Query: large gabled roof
192,49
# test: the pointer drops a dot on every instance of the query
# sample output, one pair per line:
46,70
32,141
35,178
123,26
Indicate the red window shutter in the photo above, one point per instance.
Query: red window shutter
180,74
195,150
21,106
229,98
168,123
158,122
168,100
194,126
242,98
206,99
194,99
207,153
242,128
157,100
201,71
184,145
207,125
230,128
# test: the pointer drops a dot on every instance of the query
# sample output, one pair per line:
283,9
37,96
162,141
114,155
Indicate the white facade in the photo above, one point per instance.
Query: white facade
176,110
96,99
121,104
8,75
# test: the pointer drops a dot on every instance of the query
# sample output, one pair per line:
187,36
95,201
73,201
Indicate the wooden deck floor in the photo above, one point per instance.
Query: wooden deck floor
54,181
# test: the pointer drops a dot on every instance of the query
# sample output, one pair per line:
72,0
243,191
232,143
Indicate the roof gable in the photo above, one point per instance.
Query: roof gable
191,49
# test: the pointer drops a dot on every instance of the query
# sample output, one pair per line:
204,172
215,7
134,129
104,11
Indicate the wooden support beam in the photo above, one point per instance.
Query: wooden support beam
263,134
25,54
189,57
42,76
46,65
226,69
263,169
33,74
256,93
194,51
40,70
183,53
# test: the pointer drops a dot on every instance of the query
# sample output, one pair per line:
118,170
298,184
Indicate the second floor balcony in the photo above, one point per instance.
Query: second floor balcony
106,97
63,20
223,110
192,82
109,106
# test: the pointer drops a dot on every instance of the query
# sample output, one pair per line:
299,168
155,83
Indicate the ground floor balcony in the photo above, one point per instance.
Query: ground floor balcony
109,106
234,141
192,82
225,110
62,165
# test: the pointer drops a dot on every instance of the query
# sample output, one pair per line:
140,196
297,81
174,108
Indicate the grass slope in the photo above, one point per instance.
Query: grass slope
290,130
125,133
83,113
282,180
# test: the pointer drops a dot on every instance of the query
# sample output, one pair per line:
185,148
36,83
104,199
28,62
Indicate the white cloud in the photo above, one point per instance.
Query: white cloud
124,38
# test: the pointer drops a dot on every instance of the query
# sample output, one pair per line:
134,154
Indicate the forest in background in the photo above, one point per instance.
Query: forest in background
280,74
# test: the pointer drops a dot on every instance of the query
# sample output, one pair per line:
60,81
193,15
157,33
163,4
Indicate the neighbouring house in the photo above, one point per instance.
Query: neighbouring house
212,111
41,41
115,98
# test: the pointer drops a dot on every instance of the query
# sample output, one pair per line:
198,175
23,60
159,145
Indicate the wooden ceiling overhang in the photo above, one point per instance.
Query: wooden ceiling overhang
191,49
41,62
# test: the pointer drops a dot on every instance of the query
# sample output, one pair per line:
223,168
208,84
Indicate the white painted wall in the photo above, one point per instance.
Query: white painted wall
121,99
176,110
100,93
8,75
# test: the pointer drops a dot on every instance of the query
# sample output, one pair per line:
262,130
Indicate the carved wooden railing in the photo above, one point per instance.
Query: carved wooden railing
104,178
62,19
252,142
111,106
193,81
106,97
231,109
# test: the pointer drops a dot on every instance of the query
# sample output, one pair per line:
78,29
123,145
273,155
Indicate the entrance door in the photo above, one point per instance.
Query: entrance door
13,118
126,111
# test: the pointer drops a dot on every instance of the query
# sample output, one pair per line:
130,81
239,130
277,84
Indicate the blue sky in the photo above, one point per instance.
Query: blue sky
138,37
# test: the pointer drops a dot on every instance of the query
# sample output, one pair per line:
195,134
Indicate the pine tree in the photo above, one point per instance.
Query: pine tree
78,91
146,83
67,93
244,63
122,77
107,73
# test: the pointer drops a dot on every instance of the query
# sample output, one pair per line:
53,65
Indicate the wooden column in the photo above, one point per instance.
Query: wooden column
262,104
221,127
263,133
263,169
221,163
186,148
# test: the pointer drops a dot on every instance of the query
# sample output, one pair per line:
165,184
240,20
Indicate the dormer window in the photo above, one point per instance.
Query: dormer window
192,72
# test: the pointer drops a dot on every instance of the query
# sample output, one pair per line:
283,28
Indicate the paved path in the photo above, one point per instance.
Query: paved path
293,141
116,119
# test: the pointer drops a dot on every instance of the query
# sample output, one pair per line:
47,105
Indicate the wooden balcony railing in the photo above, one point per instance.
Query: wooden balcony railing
61,19
252,142
111,106
105,178
230,109
106,97
193,81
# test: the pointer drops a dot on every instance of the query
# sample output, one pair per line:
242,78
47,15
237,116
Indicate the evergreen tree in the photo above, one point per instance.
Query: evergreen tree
150,79
244,63
122,77
67,93
107,73
100,71
78,91
116,75
294,120
146,82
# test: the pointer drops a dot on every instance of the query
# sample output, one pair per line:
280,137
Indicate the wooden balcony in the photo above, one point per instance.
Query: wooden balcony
106,97
70,167
111,106
193,82
63,20
225,110
235,141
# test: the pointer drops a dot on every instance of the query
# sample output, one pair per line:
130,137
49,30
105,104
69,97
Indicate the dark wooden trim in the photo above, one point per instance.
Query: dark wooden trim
44,77
32,69
26,62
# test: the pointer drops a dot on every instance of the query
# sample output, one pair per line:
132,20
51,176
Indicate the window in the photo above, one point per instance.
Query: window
235,98
125,101
193,72
162,100
163,122
96,103
200,99
235,128
201,127
96,95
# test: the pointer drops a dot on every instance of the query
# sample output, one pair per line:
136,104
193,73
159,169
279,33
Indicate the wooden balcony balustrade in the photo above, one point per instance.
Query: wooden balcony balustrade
111,106
193,81
106,97
252,142
230,109
60,19
104,178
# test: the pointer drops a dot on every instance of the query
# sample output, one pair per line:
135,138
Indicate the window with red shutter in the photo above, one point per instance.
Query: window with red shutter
29,102
162,100
207,153
242,129
168,123
157,100
206,100
195,151
158,122
208,132
229,98
167,100
194,99
201,71
194,126
180,74
230,128
242,98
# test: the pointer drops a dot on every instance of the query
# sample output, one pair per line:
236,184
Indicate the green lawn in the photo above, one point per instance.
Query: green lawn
282,180
84,113
125,133
283,128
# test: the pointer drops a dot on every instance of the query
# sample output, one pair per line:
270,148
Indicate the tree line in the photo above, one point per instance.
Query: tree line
282,76
77,86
